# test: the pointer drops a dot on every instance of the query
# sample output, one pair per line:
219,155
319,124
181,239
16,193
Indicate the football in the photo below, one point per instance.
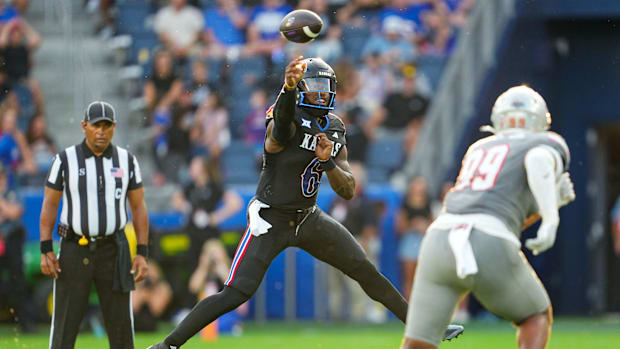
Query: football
301,26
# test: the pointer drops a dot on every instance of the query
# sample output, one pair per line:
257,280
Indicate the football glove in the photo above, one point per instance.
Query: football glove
545,238
565,190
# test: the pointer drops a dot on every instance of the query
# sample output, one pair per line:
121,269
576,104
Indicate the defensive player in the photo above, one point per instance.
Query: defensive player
302,141
507,182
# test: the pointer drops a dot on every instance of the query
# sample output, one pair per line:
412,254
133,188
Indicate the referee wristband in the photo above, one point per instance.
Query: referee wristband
143,250
328,164
47,246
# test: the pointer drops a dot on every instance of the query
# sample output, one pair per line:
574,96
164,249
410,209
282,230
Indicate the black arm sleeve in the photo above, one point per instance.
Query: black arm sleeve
283,115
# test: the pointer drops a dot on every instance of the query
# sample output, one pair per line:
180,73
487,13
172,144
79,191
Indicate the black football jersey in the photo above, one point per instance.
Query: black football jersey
290,179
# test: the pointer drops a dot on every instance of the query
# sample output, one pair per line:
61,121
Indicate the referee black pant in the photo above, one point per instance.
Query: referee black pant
80,268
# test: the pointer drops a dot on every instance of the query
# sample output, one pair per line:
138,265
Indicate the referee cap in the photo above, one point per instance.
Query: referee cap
98,111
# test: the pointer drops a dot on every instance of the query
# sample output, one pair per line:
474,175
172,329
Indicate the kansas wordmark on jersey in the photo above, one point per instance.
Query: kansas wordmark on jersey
309,143
290,179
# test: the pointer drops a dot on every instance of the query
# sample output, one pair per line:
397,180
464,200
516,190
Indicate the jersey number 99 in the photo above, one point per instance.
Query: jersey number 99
481,168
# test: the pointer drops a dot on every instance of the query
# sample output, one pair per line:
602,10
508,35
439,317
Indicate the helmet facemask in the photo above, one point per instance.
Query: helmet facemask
317,92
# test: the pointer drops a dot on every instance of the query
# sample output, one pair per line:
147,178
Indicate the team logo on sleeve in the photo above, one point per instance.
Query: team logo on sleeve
306,123
269,113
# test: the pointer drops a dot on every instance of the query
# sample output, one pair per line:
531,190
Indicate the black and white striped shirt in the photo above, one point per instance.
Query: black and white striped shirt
94,187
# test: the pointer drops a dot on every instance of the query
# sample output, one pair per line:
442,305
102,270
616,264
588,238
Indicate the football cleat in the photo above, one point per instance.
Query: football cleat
453,331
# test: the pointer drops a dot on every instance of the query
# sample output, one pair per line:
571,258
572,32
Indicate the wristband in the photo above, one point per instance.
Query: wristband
47,246
287,87
327,165
142,250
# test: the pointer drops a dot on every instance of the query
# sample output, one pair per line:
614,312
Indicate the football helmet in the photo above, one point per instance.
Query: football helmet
317,87
520,107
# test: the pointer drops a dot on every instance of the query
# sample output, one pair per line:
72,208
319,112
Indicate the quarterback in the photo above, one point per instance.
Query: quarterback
303,140
507,182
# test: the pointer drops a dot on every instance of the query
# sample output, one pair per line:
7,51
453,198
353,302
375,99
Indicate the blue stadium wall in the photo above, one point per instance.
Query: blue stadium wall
582,89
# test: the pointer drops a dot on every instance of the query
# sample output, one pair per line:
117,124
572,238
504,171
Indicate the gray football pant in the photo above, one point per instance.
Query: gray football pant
505,284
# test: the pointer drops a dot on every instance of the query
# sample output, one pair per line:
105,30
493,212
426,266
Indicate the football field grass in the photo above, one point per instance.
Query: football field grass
568,333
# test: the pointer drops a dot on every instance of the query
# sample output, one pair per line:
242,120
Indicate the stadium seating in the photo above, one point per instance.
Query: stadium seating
142,46
239,164
377,175
384,156
353,41
215,67
132,16
431,67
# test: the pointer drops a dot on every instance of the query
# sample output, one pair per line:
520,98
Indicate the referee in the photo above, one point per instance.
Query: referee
95,179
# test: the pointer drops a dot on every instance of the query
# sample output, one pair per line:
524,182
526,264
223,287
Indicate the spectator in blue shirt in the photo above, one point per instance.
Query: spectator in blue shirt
457,11
410,14
265,18
225,26
15,154
393,44
7,12
9,151
263,34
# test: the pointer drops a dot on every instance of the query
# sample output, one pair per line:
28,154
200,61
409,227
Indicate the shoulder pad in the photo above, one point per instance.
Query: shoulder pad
555,140
483,141
338,124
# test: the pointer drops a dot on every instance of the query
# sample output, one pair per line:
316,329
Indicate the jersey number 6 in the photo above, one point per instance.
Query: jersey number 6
481,168
311,178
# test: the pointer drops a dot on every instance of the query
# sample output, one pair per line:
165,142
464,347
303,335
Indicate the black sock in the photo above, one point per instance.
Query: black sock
204,313
380,289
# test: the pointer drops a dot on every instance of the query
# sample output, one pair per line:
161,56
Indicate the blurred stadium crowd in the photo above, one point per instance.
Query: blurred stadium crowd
208,72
